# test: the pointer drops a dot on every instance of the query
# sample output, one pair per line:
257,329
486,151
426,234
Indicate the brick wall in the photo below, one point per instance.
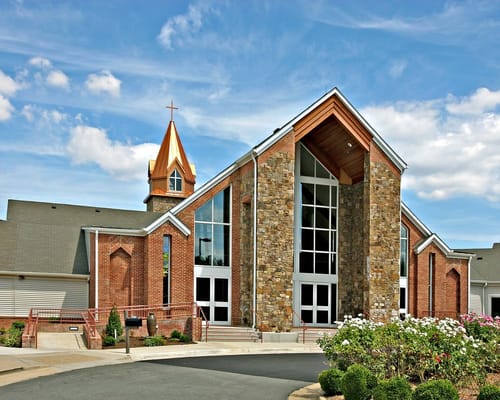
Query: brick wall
450,279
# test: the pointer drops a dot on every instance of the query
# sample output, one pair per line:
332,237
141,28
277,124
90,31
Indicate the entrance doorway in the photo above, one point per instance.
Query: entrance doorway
318,303
212,295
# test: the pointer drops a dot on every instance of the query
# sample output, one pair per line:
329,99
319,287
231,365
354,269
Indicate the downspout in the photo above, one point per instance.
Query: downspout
254,299
96,262
483,300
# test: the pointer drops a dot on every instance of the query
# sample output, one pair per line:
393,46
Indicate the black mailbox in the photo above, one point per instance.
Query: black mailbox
133,322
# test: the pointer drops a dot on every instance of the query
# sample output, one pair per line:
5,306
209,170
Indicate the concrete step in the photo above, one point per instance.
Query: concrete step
313,334
230,334
60,341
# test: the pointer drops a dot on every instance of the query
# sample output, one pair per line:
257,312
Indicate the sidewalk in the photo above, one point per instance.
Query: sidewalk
22,364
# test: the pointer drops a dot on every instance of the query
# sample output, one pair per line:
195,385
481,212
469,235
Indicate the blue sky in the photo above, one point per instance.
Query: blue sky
84,85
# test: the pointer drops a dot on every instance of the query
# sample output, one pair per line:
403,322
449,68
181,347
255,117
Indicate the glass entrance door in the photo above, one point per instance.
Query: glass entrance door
212,295
317,303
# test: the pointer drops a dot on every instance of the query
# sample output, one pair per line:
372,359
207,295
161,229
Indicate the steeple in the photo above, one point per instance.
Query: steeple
171,177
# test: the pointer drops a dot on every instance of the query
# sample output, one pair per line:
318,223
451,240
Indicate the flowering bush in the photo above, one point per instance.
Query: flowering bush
417,349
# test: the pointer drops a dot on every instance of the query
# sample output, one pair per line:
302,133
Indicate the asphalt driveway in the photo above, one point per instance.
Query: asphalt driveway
272,376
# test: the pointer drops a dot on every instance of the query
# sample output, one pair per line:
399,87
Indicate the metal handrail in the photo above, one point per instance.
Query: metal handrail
202,315
303,326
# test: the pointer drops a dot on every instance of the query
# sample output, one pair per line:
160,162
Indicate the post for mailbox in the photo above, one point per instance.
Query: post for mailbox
132,322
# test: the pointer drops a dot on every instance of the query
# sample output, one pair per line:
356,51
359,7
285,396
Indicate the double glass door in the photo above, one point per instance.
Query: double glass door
318,303
213,296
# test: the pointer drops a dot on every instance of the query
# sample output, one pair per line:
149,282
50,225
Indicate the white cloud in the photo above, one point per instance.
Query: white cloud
8,86
58,79
397,68
88,144
180,25
40,62
448,154
28,112
481,101
104,82
6,108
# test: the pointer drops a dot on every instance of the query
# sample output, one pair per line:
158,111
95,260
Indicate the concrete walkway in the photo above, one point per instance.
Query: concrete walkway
22,364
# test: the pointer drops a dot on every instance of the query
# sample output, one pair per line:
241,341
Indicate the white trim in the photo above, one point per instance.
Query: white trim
449,253
167,217
414,220
76,277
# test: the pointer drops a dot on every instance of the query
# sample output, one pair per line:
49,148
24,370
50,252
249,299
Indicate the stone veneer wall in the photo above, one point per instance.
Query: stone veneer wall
382,294
275,236
246,247
161,203
351,262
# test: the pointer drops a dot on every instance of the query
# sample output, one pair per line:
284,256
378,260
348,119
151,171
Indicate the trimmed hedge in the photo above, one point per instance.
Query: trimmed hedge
396,388
358,383
440,389
330,381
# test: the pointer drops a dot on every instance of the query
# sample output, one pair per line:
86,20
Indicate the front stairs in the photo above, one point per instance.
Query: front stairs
313,334
218,333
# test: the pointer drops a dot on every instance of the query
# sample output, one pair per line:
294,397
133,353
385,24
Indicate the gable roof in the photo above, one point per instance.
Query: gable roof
53,234
430,237
278,134
485,265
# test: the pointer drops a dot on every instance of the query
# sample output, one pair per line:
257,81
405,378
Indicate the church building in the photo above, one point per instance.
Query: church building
305,228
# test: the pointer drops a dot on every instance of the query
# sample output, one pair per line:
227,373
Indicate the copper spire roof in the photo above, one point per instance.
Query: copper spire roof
171,150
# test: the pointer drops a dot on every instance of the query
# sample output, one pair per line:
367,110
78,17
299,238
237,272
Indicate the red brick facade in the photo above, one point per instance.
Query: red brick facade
448,294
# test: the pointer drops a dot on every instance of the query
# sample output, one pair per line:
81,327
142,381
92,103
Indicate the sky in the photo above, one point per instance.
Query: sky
84,86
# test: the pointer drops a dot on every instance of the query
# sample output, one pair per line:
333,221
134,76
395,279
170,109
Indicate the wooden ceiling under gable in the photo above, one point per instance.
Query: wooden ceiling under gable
337,139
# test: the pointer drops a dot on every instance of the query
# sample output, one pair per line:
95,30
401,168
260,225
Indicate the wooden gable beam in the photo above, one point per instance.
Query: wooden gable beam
333,106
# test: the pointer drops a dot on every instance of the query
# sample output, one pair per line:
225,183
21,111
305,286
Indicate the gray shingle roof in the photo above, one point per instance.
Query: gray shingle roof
48,237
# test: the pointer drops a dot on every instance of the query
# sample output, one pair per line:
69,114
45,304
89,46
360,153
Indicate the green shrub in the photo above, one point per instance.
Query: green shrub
175,334
396,388
330,380
185,338
157,340
18,325
358,383
416,349
489,392
114,323
108,340
440,389
13,336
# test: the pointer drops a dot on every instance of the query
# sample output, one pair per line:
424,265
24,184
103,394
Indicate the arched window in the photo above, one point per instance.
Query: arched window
175,181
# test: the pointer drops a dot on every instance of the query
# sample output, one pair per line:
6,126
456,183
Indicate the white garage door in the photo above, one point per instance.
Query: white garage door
18,296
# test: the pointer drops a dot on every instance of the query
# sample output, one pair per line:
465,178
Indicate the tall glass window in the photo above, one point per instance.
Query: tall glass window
212,231
175,181
403,260
166,269
403,271
318,235
315,273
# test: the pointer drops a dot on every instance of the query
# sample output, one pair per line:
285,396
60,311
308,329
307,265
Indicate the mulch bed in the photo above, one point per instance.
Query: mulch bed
136,341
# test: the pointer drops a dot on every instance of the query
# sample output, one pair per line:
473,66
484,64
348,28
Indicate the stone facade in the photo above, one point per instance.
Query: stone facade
246,245
384,218
275,236
162,203
351,263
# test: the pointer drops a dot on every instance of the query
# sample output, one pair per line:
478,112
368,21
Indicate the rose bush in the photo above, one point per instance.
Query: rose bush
417,349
